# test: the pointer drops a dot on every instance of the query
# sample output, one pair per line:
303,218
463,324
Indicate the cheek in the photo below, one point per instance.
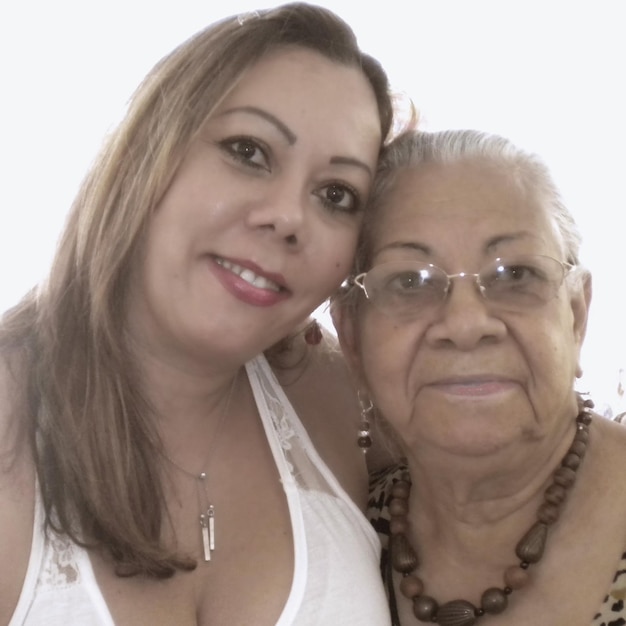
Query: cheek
554,338
332,259
555,353
551,356
388,359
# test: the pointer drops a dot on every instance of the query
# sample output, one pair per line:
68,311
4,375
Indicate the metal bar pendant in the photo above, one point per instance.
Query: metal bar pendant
207,527
211,514
206,543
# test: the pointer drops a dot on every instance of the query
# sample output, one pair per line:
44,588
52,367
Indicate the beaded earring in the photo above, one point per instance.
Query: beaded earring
313,334
364,440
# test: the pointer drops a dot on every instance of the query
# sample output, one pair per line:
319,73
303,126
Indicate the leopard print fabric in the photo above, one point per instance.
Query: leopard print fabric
611,613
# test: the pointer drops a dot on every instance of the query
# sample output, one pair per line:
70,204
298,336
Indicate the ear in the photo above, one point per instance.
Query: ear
580,302
346,325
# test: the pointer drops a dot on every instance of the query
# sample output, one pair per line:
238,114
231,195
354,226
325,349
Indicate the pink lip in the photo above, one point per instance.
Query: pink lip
473,386
244,291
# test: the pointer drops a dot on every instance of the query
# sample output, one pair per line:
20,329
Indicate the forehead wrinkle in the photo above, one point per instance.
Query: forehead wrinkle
289,135
427,250
406,245
495,241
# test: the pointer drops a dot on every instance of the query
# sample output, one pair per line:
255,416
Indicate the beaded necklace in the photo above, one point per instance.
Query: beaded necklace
529,549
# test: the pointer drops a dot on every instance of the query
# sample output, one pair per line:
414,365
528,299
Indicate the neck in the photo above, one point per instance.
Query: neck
479,542
191,406
180,389
490,488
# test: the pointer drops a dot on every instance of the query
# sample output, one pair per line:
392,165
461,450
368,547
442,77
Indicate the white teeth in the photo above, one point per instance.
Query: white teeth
248,275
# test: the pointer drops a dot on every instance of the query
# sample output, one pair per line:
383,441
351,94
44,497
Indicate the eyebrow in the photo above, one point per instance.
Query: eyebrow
406,245
350,161
291,137
498,239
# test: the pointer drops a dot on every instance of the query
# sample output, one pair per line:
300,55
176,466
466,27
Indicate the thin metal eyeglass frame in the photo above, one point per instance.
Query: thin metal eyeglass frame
566,267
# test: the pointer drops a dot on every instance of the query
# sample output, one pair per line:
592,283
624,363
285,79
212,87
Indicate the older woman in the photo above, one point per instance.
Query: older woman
464,326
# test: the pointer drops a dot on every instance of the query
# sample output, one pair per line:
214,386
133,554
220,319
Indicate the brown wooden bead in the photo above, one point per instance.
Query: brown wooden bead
398,524
571,460
531,545
579,448
401,489
582,435
403,557
555,494
411,586
548,513
424,607
456,613
516,577
564,476
398,507
494,601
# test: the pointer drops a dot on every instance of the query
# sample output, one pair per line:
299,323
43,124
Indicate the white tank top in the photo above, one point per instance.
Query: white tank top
336,578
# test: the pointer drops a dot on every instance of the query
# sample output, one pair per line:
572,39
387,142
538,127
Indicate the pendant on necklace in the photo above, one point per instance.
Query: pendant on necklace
207,527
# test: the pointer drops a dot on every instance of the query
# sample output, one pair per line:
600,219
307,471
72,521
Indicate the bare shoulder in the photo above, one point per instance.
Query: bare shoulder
324,395
603,489
609,432
608,438
16,499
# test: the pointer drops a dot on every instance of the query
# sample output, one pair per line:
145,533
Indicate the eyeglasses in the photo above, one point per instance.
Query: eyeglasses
407,290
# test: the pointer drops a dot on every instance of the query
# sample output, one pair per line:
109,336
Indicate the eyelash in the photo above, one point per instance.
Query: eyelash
334,207
227,146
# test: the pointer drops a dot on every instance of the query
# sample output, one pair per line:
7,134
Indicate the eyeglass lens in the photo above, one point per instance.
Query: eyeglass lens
413,289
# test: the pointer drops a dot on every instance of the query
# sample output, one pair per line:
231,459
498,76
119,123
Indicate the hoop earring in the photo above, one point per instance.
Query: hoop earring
364,440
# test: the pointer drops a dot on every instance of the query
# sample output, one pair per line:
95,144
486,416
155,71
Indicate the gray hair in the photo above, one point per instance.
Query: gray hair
414,148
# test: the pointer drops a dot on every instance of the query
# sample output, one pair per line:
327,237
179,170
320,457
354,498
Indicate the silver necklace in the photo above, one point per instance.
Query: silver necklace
206,508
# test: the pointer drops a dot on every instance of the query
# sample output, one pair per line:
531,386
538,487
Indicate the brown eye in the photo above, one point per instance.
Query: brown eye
247,151
337,196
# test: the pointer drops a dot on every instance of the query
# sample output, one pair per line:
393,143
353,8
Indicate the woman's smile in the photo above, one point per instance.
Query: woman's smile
249,284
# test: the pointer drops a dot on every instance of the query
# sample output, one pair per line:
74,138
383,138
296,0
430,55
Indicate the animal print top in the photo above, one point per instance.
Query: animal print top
611,613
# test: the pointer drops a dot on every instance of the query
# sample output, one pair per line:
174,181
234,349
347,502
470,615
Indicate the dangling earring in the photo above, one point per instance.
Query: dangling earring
364,440
313,334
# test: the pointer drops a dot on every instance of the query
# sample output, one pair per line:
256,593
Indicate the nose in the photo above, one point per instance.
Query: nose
281,211
465,319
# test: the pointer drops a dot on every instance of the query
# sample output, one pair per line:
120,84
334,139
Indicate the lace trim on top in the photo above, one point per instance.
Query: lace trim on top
60,570
301,460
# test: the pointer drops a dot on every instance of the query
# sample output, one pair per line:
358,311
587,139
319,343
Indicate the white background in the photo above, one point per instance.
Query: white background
548,74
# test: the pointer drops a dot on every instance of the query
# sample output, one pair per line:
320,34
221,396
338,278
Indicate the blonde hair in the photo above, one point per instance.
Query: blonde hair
91,428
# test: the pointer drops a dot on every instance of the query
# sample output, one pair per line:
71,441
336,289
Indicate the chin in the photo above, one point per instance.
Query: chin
476,437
